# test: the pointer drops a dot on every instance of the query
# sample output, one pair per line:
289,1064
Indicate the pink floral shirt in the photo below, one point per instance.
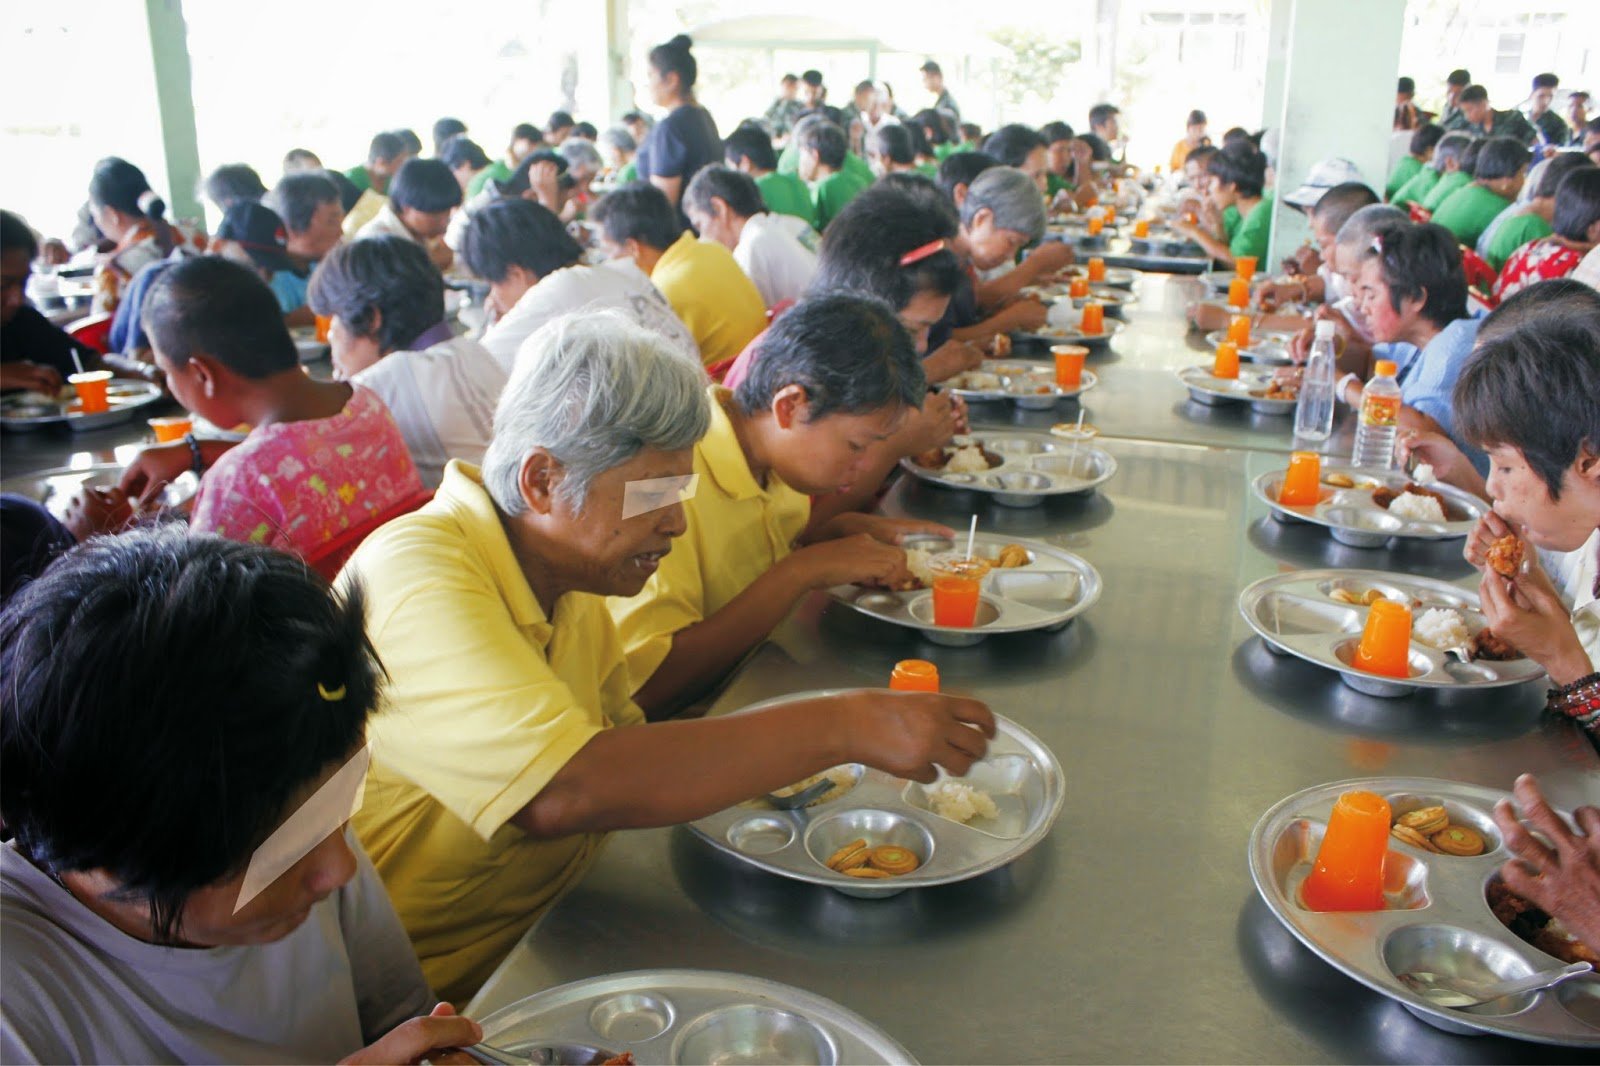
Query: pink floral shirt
298,485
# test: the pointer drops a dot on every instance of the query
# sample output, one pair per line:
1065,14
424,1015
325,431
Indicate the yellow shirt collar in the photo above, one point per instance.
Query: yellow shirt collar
723,457
463,496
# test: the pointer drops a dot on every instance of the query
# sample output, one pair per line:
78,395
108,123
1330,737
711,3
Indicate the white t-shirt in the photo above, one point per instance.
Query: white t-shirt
77,989
386,224
443,400
617,283
771,253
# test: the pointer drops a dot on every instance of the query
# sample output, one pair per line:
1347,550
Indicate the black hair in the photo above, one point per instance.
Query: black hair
1469,156
935,126
16,234
1099,150
349,191
827,140
1423,262
1546,81
1555,168
1052,132
1531,381
970,131
1100,113
233,183
865,86
752,143
560,120
1012,144
893,142
425,185
297,196
1405,85
789,79
639,212
389,275
1240,166
462,150
812,78
118,183
585,131
737,190
516,233
203,763
1196,118
1592,127
863,245
409,138
1236,135
1200,153
1453,145
1577,203
848,352
920,148
526,131
1500,157
1473,94
443,130
960,168
1458,77
637,116
930,67
1340,202
385,146
301,159
676,57
223,309
1426,136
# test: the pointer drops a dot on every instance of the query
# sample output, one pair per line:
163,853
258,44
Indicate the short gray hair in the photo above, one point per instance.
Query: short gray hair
1012,196
619,138
594,389
581,154
1361,227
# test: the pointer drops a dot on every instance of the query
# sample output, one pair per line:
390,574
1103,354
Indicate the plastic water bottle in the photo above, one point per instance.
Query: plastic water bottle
1380,417
1313,415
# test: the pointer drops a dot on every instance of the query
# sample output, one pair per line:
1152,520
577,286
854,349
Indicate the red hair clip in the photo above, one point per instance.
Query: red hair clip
917,255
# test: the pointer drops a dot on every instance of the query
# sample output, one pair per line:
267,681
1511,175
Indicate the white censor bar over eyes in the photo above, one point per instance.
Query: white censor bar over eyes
652,494
318,818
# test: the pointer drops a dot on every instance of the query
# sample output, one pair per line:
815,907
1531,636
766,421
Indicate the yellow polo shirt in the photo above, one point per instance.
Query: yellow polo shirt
736,532
715,298
487,700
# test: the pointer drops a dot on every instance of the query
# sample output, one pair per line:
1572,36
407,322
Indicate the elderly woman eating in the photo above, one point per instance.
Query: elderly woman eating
513,744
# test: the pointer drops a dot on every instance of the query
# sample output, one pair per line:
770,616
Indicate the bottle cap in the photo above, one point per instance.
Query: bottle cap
1324,330
915,675
1385,368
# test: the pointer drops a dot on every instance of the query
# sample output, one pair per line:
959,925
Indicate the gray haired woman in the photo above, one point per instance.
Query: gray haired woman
513,744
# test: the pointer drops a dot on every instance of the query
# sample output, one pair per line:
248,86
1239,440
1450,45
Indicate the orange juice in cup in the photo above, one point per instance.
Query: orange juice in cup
1302,482
91,386
1347,874
1097,268
1096,224
914,675
1385,647
957,586
1069,364
1238,292
1245,267
1078,288
1141,228
1094,318
323,323
1227,361
1239,330
171,428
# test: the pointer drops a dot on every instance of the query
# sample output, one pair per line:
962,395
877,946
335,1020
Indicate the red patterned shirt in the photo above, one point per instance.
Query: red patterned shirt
1535,262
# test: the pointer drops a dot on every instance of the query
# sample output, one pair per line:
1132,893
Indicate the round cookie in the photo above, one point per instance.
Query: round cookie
1458,840
852,855
868,873
1406,835
893,860
1425,820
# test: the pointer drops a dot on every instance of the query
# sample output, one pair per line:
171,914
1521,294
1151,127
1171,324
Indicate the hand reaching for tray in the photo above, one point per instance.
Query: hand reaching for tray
1562,877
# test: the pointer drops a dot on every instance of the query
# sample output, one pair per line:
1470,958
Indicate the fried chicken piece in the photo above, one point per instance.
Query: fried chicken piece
1489,645
932,459
1383,496
1011,556
999,346
1505,555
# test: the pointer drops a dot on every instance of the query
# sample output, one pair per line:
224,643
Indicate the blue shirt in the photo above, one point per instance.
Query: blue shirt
1427,381
290,289
127,331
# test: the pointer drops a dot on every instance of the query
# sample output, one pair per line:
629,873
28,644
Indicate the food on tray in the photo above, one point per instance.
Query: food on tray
1425,820
1406,835
843,779
1278,390
860,859
849,857
1429,829
1458,840
1365,598
1505,555
976,381
999,346
1340,481
960,802
1488,645
868,873
1416,507
1423,474
892,860
1536,927
624,1059
969,459
1011,556
1440,627
1074,431
920,562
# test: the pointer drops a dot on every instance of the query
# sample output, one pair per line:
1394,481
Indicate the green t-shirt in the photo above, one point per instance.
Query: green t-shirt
1403,172
1447,185
1254,232
1230,222
1468,211
628,173
1513,234
359,177
1055,184
831,193
1417,189
789,158
496,171
854,164
786,194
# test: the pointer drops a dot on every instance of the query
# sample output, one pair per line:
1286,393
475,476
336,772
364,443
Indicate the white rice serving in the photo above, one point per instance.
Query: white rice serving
960,802
968,460
1440,627
920,562
1416,508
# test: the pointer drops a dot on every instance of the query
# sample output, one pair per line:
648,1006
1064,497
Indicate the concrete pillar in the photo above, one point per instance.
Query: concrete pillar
1339,64
169,60
619,84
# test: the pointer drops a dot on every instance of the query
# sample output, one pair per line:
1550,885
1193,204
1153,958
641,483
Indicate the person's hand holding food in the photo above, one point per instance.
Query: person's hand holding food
413,1040
1526,611
32,376
951,358
854,560
1415,448
914,733
1023,315
93,511
1560,874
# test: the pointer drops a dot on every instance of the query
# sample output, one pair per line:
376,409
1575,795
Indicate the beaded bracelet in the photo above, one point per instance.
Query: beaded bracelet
1580,700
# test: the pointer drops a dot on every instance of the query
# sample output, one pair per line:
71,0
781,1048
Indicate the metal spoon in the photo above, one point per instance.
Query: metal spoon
802,798
1443,990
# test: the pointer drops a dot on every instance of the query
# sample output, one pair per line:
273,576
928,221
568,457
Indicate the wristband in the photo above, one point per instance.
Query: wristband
1344,387
197,461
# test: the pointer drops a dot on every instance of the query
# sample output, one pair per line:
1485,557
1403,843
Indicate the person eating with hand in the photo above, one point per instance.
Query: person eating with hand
1559,874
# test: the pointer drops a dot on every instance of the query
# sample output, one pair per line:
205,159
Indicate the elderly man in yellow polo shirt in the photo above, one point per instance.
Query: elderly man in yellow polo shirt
700,279
836,375
496,765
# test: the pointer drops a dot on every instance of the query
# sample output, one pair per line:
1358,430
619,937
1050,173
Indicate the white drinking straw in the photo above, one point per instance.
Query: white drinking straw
972,535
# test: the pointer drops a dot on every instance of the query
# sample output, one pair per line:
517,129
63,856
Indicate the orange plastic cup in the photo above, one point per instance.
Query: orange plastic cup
1302,483
323,323
1094,317
1097,269
1096,224
1227,361
1239,330
1245,267
1190,218
1347,874
955,601
1238,292
171,428
92,396
1385,647
1069,364
1141,228
914,675
1078,288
